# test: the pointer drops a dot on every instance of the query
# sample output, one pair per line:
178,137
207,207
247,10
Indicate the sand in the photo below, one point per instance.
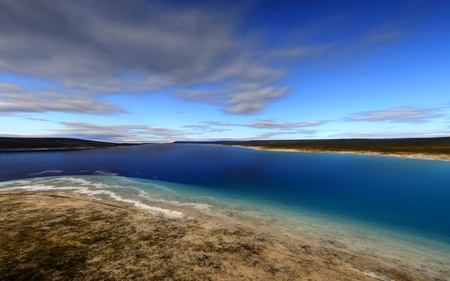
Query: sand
61,236
443,157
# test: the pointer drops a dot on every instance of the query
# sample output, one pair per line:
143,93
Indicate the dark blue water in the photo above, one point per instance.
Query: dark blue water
401,194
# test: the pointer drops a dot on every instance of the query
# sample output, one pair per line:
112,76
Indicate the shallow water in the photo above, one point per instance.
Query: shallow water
396,207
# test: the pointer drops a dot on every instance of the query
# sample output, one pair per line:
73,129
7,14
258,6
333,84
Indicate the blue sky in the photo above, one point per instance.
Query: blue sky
161,71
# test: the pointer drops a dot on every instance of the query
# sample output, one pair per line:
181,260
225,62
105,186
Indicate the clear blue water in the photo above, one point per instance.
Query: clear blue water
404,196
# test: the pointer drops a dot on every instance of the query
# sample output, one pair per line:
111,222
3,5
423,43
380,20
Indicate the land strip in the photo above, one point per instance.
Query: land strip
25,144
427,148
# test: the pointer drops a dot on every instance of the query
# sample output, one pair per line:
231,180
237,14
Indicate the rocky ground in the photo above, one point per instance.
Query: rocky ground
49,236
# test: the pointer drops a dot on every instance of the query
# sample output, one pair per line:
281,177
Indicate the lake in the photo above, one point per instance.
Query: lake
391,206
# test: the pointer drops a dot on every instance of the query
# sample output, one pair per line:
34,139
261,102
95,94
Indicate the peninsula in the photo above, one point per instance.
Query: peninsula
25,144
427,148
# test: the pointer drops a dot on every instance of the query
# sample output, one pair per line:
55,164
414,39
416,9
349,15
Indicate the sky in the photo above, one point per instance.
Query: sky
163,71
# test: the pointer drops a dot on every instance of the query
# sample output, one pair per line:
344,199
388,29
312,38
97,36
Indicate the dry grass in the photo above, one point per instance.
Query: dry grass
47,236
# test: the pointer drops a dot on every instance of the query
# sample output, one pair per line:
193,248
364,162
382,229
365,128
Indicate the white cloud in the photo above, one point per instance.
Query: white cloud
242,99
387,135
140,46
138,133
91,43
120,133
137,46
253,100
261,124
16,99
276,133
271,124
244,70
205,128
397,115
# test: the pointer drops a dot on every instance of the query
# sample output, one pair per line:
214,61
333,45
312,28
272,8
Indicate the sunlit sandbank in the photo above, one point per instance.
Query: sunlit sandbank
222,239
443,157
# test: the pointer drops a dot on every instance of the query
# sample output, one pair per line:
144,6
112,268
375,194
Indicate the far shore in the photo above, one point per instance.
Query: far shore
418,148
50,149
442,157
48,144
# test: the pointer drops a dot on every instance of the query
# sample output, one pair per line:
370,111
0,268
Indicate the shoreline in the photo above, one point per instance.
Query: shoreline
15,144
424,156
62,148
50,149
176,248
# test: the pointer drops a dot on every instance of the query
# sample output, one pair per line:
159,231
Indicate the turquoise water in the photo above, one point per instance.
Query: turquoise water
399,208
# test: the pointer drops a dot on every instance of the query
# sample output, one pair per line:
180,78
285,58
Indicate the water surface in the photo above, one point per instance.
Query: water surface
390,201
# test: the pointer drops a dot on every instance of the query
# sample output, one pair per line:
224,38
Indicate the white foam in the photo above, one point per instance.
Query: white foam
199,206
8,183
105,173
46,172
369,273
147,184
82,186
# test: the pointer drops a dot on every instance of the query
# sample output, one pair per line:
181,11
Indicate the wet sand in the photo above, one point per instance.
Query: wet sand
61,236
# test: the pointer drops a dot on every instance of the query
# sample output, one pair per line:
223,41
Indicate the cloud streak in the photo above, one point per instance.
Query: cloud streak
387,135
16,99
141,133
119,133
397,115
139,46
90,40
271,124
261,124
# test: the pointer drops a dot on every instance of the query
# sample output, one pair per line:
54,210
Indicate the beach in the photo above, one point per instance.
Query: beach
418,148
429,156
60,236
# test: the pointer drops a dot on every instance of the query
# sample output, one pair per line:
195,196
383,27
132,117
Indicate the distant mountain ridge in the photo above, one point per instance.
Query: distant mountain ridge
23,144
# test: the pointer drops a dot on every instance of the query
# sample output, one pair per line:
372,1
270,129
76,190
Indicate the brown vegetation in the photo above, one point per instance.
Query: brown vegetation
15,144
435,148
47,236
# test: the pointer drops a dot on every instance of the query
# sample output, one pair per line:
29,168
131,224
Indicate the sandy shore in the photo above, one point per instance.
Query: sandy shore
55,236
443,157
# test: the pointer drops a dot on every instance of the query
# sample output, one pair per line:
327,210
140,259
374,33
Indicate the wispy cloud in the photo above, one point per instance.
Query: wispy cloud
140,46
205,128
382,135
218,123
141,133
143,46
262,136
250,99
93,48
37,119
277,133
397,115
261,124
91,42
243,99
271,124
16,99
119,133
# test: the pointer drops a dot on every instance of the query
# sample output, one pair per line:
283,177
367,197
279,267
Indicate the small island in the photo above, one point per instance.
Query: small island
426,148
25,144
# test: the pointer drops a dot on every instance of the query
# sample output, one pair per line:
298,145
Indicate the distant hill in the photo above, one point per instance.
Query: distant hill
18,144
401,147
